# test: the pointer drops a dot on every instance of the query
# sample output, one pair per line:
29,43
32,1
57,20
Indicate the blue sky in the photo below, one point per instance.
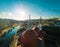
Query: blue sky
12,9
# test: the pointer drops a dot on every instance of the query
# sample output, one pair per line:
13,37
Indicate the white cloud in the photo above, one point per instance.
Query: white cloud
7,15
10,15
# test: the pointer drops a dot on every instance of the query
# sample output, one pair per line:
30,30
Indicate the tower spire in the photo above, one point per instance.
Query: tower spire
40,23
29,26
29,19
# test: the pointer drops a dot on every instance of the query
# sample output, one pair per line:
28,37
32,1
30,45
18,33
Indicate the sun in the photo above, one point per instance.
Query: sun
20,13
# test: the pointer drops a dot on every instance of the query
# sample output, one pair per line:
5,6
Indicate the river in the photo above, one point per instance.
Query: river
6,39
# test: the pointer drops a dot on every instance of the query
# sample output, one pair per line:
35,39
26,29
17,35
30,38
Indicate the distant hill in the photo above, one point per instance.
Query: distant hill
9,20
32,20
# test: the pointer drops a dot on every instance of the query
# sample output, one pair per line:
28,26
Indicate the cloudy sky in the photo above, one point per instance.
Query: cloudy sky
21,9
